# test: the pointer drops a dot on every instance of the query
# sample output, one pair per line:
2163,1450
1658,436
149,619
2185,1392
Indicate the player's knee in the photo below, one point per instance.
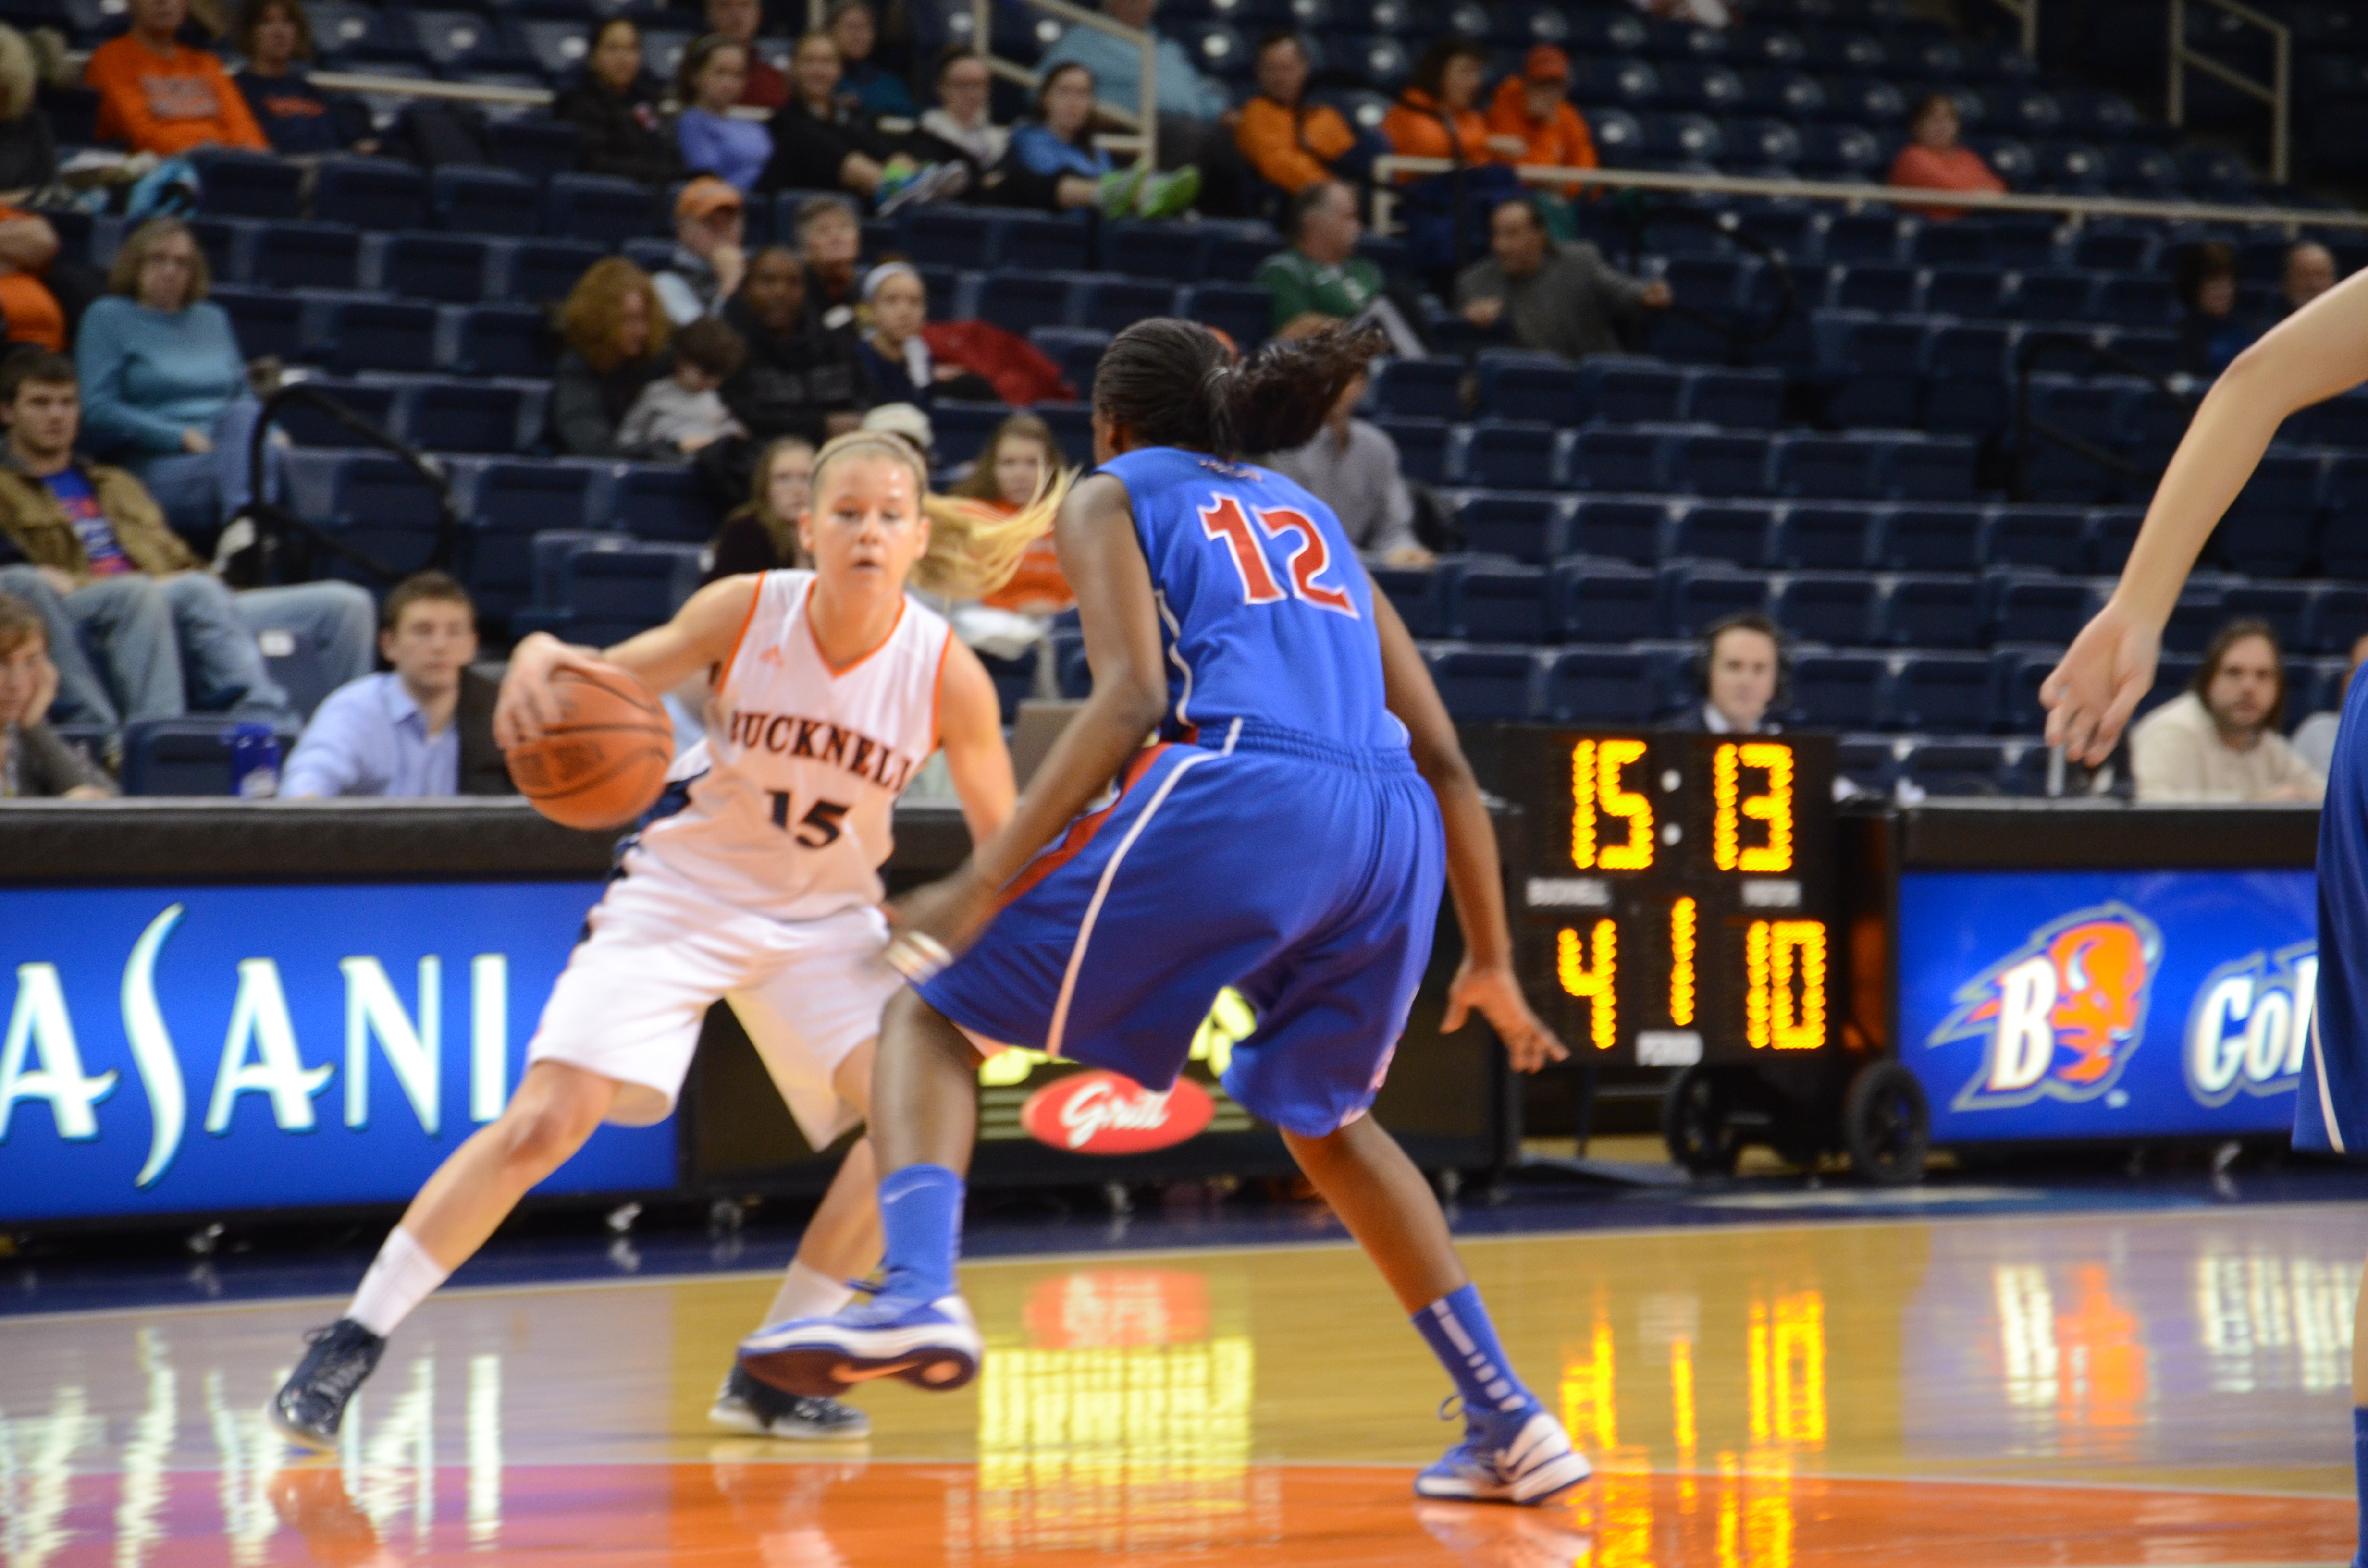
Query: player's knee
539,1136
910,1025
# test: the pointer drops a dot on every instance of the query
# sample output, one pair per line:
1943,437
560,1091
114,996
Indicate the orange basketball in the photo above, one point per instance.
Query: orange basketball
605,761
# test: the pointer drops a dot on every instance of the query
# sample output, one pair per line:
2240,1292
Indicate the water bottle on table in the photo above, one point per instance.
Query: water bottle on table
254,762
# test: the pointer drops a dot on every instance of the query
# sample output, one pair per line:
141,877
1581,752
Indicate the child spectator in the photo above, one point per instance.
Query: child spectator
715,70
298,117
678,415
159,97
34,763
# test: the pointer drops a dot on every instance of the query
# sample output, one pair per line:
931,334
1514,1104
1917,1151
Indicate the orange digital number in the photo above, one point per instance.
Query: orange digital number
1784,985
1593,976
1596,793
1731,805
1683,916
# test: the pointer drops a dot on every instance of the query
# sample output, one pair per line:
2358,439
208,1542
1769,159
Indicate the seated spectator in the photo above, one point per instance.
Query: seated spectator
714,68
830,244
616,331
1739,672
157,97
1352,467
761,535
678,413
876,92
895,358
34,763
2211,334
762,86
1057,148
164,390
425,727
2218,740
30,308
801,378
821,142
1437,116
1564,299
1195,111
614,108
1288,142
1321,281
299,118
1011,470
28,148
2314,739
1935,160
138,672
1534,109
961,126
2309,272
707,260
102,546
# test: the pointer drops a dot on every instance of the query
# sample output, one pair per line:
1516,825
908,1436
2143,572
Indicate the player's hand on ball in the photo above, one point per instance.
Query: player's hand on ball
528,706
2091,696
1497,997
934,924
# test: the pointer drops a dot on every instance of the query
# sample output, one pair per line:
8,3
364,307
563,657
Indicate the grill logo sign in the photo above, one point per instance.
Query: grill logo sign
2250,1026
2059,1016
1101,1113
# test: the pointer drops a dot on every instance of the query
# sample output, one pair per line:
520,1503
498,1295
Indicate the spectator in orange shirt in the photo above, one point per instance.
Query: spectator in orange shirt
1434,117
27,245
1531,109
1933,160
1015,463
161,97
1287,141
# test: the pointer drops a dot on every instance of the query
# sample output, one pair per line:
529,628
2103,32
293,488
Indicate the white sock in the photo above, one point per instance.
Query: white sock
807,1293
399,1280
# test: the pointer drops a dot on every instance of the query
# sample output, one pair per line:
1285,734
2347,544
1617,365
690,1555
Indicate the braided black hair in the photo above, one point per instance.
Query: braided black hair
1175,384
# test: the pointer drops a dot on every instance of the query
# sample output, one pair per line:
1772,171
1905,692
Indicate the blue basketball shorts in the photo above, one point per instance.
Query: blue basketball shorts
1303,873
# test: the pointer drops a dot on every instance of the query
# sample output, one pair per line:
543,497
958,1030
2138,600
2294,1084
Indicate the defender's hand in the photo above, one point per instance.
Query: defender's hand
2092,693
1497,997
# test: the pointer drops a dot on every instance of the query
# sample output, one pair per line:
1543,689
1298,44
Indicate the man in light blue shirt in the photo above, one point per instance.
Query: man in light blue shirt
397,733
1196,112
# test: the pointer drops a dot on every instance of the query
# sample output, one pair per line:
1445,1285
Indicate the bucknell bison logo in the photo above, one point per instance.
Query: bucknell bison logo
2059,1016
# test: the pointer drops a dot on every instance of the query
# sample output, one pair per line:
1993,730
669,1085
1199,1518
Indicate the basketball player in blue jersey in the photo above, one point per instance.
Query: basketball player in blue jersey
1289,833
2315,353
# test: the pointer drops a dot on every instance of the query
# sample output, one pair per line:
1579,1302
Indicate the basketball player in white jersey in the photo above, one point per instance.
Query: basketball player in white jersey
755,879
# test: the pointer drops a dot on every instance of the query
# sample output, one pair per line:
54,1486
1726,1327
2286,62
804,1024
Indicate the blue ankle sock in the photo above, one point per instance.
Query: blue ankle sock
2359,1477
1459,1333
920,1212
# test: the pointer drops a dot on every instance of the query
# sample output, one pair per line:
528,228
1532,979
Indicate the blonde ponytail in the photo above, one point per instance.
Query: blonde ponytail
974,548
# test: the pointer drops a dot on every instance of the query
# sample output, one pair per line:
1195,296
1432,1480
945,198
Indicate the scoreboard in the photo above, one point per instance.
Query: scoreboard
1676,900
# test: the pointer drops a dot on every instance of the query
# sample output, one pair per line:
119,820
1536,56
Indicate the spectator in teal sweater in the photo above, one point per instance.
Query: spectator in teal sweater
164,385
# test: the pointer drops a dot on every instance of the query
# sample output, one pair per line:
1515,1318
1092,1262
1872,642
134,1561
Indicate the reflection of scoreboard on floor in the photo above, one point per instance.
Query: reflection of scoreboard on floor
1678,894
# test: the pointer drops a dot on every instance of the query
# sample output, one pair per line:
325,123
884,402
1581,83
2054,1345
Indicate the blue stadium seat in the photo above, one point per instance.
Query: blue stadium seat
2055,294
2268,531
1422,447
1506,455
486,201
2019,671
495,340
533,146
374,502
1839,691
1930,612
1968,246
2341,421
2110,248
2071,166
1817,536
239,184
1527,386
945,234
1623,83
1697,596
1178,253
1844,467
1629,391
2337,618
1113,304
1616,529
505,505
307,425
1864,236
1734,532
1824,607
369,335
2142,170
266,323
655,501
1935,467
1040,243
1077,350
1020,302
1967,404
1072,428
1609,685
2135,299
962,428
1495,601
1888,288
597,208
1762,141
1927,538
1241,310
2047,538
177,756
1873,102
1520,527
1949,692
1964,290
1702,462
1829,150
461,416
304,255
540,271
449,268
370,193
2343,548
1955,768
2285,605
621,586
1479,684
1603,601
1417,593
1738,400
2030,608
2196,616
1421,388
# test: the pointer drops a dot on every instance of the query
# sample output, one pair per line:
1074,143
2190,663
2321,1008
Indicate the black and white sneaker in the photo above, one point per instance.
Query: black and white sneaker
308,1406
744,1404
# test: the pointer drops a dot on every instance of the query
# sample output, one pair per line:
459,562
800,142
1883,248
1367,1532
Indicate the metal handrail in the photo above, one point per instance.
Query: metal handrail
1145,123
2027,355
2278,92
1856,194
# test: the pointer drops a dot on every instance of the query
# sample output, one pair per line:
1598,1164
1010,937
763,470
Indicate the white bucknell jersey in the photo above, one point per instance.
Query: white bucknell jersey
785,808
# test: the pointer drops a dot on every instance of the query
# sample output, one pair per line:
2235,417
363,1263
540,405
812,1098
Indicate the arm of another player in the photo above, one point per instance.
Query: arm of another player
1106,570
2317,352
704,633
1475,881
970,731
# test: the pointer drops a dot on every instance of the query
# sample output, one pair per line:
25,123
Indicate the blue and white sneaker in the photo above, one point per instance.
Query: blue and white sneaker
931,1345
1521,1457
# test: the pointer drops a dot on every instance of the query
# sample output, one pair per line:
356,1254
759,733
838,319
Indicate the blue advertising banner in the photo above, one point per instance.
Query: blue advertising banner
179,1050
2037,1005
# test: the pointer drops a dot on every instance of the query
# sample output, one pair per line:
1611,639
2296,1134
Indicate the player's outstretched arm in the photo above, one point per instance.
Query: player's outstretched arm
702,634
2317,352
1474,879
970,731
1121,620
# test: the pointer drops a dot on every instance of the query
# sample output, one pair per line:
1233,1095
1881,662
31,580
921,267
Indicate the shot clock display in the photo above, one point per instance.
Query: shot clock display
1677,899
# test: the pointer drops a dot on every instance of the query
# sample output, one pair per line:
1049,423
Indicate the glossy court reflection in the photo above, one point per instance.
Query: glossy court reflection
2081,1390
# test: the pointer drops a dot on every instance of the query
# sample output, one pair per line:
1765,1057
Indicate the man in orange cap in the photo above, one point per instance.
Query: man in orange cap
1534,109
707,260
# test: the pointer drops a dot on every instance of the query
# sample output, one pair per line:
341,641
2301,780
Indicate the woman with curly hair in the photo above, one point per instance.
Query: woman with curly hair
616,336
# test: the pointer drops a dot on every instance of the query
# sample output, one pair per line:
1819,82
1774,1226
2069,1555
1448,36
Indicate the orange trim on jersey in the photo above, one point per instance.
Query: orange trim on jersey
1081,832
724,670
937,687
832,670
